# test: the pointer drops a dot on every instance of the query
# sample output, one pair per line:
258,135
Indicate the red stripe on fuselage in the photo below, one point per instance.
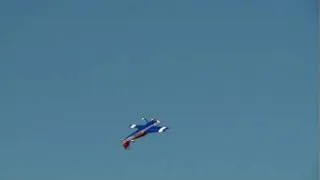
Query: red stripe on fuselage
141,134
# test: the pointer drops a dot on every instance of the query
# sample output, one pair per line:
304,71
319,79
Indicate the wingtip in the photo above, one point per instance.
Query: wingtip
163,129
132,126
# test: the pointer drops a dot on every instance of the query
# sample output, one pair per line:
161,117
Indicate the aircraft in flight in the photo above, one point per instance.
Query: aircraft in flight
151,126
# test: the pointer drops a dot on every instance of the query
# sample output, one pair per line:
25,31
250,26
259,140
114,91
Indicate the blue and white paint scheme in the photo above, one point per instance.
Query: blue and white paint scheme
151,126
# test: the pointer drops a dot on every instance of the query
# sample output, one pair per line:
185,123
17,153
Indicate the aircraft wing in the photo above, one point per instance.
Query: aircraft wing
135,126
157,129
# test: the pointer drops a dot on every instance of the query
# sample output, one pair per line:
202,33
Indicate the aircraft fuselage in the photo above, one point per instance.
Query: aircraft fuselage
138,133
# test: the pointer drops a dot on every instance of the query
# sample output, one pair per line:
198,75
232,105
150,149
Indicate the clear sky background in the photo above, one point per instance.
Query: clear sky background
234,80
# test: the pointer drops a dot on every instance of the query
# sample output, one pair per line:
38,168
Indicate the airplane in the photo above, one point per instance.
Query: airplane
142,130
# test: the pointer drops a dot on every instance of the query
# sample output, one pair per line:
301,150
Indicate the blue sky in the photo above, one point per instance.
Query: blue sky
235,81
